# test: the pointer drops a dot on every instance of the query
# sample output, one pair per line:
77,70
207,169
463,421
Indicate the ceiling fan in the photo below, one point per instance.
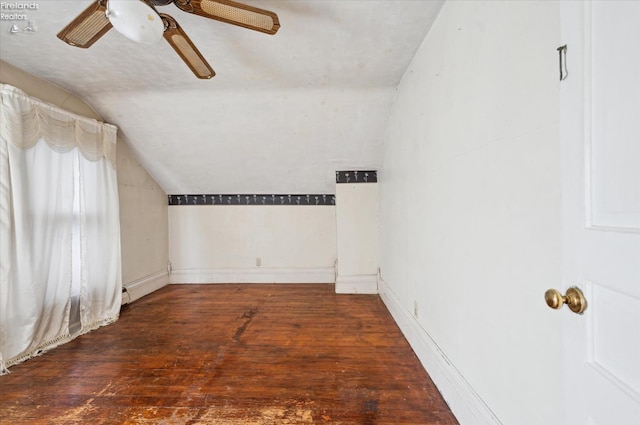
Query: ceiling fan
139,21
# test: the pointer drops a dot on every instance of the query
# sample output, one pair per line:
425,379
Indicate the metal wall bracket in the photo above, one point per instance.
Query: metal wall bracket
562,62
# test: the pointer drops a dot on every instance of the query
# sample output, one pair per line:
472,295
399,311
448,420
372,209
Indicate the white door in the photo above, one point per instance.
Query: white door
600,141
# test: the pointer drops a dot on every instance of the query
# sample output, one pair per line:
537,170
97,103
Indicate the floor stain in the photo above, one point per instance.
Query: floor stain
370,412
248,316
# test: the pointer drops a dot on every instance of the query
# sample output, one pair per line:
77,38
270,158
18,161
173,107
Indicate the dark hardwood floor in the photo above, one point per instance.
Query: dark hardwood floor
231,354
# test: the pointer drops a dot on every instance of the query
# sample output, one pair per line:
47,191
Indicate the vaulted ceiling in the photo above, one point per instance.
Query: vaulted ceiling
283,113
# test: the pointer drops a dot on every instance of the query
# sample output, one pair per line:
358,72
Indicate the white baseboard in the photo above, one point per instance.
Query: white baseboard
144,286
361,284
255,275
463,400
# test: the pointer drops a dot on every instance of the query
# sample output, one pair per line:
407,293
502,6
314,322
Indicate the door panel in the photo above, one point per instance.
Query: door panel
610,326
612,99
600,142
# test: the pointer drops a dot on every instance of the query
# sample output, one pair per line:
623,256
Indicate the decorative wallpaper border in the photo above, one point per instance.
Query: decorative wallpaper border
251,199
357,176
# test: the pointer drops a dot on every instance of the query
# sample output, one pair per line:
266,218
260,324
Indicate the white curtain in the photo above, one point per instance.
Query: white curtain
48,159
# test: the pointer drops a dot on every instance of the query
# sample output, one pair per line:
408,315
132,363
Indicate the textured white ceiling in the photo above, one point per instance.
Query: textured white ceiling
283,113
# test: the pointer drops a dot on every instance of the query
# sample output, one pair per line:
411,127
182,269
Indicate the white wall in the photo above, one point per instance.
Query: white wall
470,210
357,237
143,204
220,243
144,227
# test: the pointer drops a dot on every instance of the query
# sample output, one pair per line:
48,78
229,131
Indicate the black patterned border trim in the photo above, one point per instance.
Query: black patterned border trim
252,199
357,176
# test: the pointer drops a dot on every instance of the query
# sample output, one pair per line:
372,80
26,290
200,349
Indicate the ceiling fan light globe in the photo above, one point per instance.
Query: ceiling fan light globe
136,20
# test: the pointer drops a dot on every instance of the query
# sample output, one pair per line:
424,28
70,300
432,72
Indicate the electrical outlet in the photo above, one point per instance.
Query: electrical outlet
258,261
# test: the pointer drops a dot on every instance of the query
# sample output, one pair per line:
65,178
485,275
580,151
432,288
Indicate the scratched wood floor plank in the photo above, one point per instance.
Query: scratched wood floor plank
231,355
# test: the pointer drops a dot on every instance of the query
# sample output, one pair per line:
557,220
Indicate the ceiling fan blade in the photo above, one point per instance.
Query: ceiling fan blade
185,48
88,27
233,13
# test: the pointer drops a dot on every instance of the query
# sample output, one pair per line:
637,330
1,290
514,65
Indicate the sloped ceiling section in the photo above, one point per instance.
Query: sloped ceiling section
283,113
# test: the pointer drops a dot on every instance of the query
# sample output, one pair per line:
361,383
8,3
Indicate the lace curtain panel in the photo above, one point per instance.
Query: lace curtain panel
25,120
59,225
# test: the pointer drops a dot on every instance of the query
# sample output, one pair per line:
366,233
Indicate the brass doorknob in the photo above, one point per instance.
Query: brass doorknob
574,299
